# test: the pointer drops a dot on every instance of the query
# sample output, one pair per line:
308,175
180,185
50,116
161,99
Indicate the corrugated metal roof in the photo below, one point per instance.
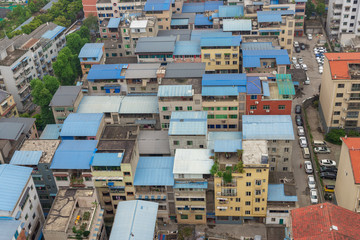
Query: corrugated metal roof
192,161
91,50
175,91
276,193
273,16
188,123
189,115
81,124
139,222
220,91
154,171
153,142
114,23
141,70
8,228
193,8
139,104
107,159
202,20
285,85
155,44
232,79
26,157
185,70
51,34
106,71
220,41
195,185
267,127
212,5
179,22
11,130
51,131
213,136
231,11
187,48
65,96
13,180
266,88
251,58
157,5
100,104
253,85
257,46
227,145
197,34
74,154
237,25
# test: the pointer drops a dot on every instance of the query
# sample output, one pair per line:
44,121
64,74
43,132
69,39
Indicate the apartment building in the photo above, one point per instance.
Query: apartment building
25,125
300,6
91,54
116,9
89,7
8,106
243,197
81,212
154,181
66,100
144,78
21,202
237,26
342,17
38,155
155,49
269,97
340,91
153,143
114,166
347,187
224,96
182,21
26,57
187,52
162,10
187,130
278,131
221,54
11,229
191,173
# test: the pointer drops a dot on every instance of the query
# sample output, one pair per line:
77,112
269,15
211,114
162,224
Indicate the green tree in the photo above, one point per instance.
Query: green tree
91,22
84,32
334,136
62,21
310,9
74,42
65,66
51,83
320,8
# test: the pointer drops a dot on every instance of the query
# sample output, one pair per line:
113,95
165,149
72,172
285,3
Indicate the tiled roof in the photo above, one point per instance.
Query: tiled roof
324,221
338,62
353,145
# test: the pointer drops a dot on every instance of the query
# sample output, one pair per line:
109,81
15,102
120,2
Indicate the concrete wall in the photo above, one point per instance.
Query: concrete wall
210,61
197,142
277,158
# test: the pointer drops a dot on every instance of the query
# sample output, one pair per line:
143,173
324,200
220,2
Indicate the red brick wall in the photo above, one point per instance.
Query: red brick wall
89,7
274,106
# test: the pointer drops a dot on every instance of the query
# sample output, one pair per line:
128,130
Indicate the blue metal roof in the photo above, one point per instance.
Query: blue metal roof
106,71
157,5
276,193
196,185
267,127
114,23
266,88
139,222
196,35
154,171
251,58
202,20
139,104
8,228
231,11
107,159
13,180
213,136
51,131
234,25
227,145
175,91
257,46
74,154
220,41
179,22
26,157
81,125
51,34
221,90
273,16
232,79
91,50
212,5
188,123
193,8
187,48
253,85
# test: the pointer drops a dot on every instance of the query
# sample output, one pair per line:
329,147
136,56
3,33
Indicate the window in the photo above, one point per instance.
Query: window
94,88
29,226
257,199
272,169
163,108
257,192
355,87
189,143
211,116
34,216
237,209
248,184
273,150
289,42
198,217
227,62
336,121
207,56
127,174
189,108
26,216
266,107
257,182
337,113
217,55
339,95
286,159
247,212
273,159
178,108
247,203
176,142
281,107
286,149
166,116
248,193
285,169
257,209
340,85
218,63
183,216
338,104
61,178
344,23
253,97
87,179
248,174
234,62
237,199
253,107
128,184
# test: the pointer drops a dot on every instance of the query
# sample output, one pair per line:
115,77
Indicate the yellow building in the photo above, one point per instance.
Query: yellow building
221,54
162,10
7,105
241,191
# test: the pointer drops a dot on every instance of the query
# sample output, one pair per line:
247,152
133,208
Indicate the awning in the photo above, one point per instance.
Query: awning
110,184
61,175
223,208
26,58
266,89
271,30
296,83
145,121
16,66
224,199
18,214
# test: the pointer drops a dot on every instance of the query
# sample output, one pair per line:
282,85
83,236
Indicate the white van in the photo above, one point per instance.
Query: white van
308,167
319,143
306,153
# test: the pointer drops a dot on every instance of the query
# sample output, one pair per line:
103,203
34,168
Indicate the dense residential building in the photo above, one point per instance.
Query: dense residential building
187,51
20,200
347,188
279,133
77,209
155,49
11,229
323,221
26,57
300,6
7,105
162,10
38,154
339,94
91,54
66,100
51,132
143,78
244,196
89,7
153,143
115,9
191,172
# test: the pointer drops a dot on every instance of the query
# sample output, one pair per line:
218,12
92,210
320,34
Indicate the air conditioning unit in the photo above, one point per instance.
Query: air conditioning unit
256,102
346,99
218,184
251,112
344,109
218,194
267,110
212,59
343,118
341,126
104,184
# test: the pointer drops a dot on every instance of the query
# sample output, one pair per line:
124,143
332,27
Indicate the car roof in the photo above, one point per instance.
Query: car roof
330,186
313,191
311,176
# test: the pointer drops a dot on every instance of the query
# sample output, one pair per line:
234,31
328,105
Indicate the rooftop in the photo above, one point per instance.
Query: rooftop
237,25
141,71
340,62
220,41
194,82
268,127
65,96
28,158
8,228
138,24
12,57
139,223
324,221
232,79
202,20
157,5
126,146
114,23
28,123
196,7
4,95
175,91
107,159
183,48
227,146
155,45
254,152
253,85
51,34
153,142
100,104
74,154
51,131
185,70
353,145
273,16
91,50
257,46
192,161
188,123
252,57
196,35
81,125
107,71
154,171
116,132
180,34
47,147
214,136
139,105
276,193
13,180
231,11
11,131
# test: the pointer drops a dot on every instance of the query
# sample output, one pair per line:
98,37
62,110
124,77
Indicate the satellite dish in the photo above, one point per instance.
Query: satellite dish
254,23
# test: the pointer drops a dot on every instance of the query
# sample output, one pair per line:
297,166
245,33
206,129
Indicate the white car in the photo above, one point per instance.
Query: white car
327,162
303,142
301,131
300,61
296,44
321,70
309,36
311,182
296,66
294,59
308,167
307,81
313,196
304,67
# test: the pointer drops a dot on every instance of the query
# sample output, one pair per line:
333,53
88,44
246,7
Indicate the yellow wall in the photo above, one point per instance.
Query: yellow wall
211,65
163,20
10,104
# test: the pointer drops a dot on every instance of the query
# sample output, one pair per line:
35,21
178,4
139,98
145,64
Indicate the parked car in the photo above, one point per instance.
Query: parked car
308,167
321,150
328,169
313,196
297,66
297,49
301,131
302,142
309,36
307,81
298,109
327,162
296,44
328,175
304,67
302,46
329,188
298,120
300,60
311,182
